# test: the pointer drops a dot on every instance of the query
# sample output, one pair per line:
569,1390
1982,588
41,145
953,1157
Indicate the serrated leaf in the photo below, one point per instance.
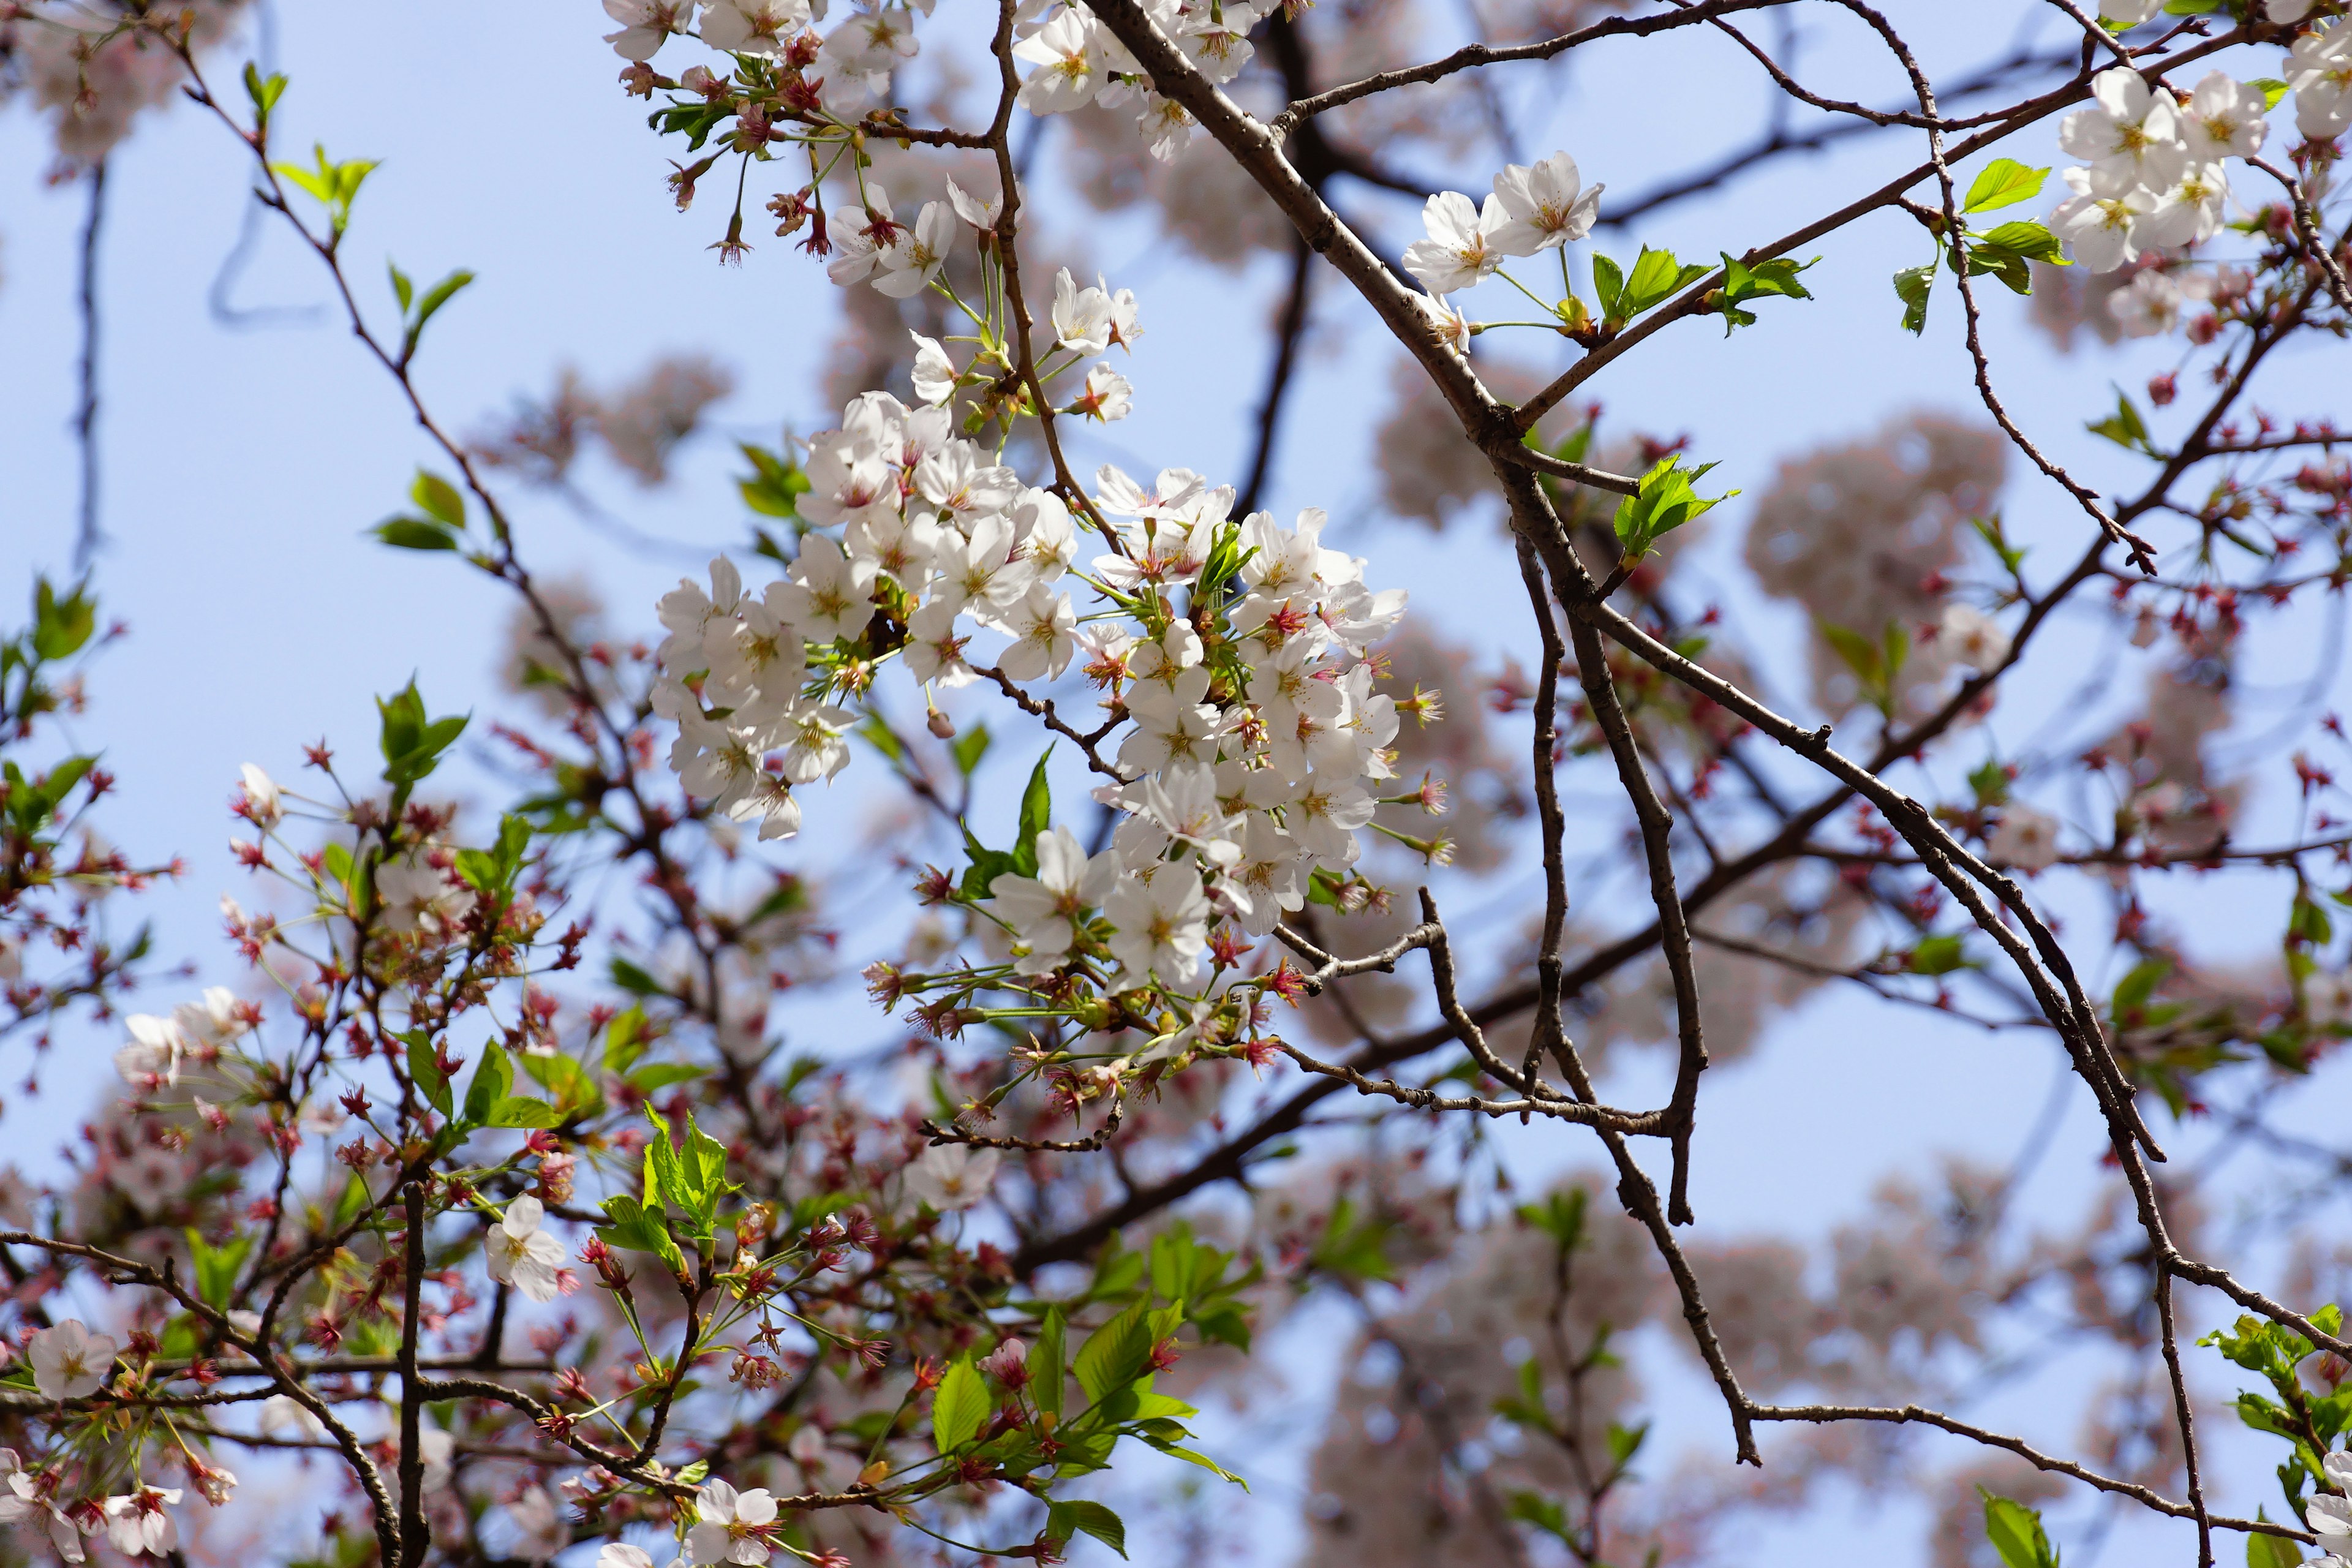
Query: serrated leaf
1911,286
425,1071
2004,183
1115,1354
1048,1363
960,1407
1065,1515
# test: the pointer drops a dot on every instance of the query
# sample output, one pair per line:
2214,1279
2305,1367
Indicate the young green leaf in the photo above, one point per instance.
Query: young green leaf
1664,501
415,533
1048,1363
2016,1533
960,1407
425,1071
1070,1514
438,499
1741,283
1911,286
2004,184
2124,426
970,747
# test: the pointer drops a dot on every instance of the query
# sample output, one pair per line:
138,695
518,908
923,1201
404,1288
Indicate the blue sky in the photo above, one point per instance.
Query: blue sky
242,467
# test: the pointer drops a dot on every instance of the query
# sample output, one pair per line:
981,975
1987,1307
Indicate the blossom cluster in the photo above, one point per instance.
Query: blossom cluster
1235,655
1080,64
69,1361
2154,176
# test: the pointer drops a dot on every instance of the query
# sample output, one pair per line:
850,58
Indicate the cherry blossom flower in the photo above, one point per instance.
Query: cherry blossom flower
1107,396
982,215
644,24
2319,69
760,28
621,1554
1042,625
2224,120
2148,307
949,1177
2102,223
2026,838
733,1527
1973,638
934,373
1460,250
1160,927
815,748
261,799
907,268
934,652
1547,205
69,1361
520,1254
2131,129
1043,910
1069,51
153,1055
421,899
137,1524
2123,14
24,1494
829,596
1081,316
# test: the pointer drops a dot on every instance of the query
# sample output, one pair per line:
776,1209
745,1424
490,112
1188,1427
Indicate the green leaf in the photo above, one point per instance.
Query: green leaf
1664,501
2273,90
424,1069
961,1406
1656,277
1048,1364
2271,1550
440,294
415,533
62,626
438,499
402,289
1911,286
1766,279
570,1087
217,1267
1064,1516
2125,428
265,92
1937,955
522,1111
1190,1458
1037,817
412,743
2004,183
968,748
1115,1354
492,1080
1609,283
634,979
638,1230
2025,238
2016,1533
776,483
625,1039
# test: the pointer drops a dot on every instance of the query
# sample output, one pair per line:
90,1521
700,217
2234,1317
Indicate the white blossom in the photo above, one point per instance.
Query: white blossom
644,24
519,1253
1461,249
2225,119
1547,205
69,1361
934,373
1160,929
732,1526
136,1524
2026,838
2131,129
1043,910
949,1177
761,27
2319,69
